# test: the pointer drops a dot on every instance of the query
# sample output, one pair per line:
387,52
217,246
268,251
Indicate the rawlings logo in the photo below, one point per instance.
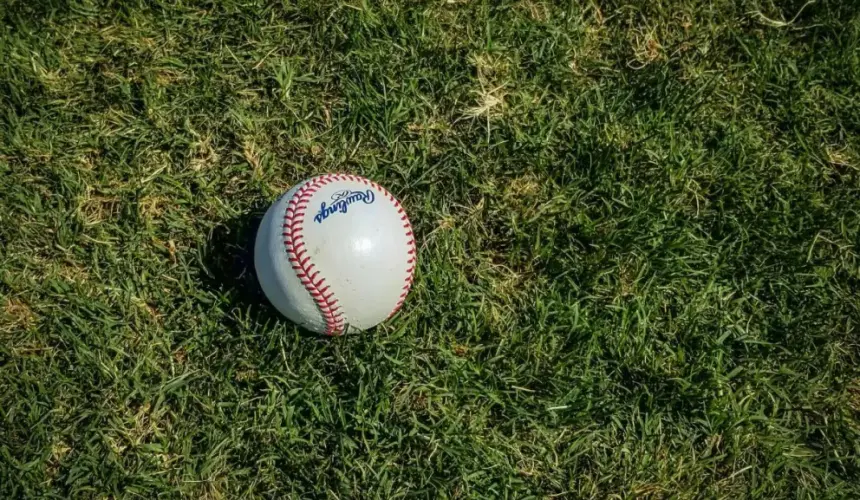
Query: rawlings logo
341,201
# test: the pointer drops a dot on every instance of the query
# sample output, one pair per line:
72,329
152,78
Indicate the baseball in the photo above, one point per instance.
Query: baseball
336,253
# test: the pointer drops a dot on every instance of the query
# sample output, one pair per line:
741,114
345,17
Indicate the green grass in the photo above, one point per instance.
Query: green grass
638,228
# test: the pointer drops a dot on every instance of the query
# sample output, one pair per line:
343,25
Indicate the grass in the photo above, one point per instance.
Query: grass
638,228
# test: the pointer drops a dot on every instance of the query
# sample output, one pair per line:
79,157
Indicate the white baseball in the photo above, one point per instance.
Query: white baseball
336,253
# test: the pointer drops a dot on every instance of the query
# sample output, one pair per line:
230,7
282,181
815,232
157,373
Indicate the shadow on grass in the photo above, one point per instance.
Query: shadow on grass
229,263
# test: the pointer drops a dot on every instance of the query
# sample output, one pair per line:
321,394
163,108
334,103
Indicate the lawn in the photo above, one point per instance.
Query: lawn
638,228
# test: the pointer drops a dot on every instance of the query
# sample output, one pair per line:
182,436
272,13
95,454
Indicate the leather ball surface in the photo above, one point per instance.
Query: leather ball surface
336,253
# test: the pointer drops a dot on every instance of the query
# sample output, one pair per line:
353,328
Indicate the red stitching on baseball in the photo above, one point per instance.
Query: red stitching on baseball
410,271
294,242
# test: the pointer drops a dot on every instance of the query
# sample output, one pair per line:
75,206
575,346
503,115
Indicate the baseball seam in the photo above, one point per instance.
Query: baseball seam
310,277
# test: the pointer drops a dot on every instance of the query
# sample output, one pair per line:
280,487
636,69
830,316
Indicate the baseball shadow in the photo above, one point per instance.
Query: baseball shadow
228,259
